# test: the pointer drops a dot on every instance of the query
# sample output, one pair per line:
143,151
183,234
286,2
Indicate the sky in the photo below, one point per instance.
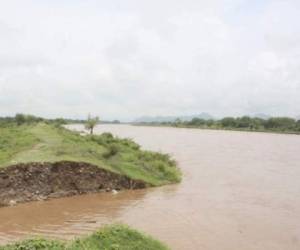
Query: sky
123,59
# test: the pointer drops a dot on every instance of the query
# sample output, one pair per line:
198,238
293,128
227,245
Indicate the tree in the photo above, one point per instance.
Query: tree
228,122
91,122
281,123
244,122
177,122
20,119
197,122
298,125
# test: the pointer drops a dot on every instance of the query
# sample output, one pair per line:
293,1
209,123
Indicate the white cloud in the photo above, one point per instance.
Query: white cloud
122,59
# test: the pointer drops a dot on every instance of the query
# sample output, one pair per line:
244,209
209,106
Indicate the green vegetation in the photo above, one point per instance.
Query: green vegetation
246,123
91,122
44,142
21,119
14,140
116,237
29,119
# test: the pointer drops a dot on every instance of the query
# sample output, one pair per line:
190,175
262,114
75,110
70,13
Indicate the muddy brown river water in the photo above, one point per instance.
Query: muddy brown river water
240,190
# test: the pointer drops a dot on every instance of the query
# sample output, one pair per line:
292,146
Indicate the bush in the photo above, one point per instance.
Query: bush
115,237
103,139
36,244
130,143
112,150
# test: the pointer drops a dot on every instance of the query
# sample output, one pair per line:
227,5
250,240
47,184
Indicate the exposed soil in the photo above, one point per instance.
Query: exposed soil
40,181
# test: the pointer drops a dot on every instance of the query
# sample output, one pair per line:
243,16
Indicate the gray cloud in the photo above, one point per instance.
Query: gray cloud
122,59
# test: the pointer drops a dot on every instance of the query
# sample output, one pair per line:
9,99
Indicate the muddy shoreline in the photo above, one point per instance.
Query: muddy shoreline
44,180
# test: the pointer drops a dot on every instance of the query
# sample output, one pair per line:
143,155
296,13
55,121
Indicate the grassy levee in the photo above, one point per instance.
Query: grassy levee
108,238
42,142
13,140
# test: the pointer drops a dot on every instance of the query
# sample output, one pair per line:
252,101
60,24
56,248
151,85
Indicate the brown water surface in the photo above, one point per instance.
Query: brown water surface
239,191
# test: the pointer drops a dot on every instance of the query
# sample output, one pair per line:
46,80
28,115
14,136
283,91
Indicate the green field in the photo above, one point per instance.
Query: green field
116,237
41,142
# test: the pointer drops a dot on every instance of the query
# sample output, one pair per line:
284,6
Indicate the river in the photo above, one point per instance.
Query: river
240,190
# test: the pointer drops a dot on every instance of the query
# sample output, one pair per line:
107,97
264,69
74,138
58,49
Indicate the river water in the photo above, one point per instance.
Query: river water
240,190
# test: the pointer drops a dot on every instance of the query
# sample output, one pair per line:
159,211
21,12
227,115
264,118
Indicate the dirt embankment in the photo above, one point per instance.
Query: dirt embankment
40,181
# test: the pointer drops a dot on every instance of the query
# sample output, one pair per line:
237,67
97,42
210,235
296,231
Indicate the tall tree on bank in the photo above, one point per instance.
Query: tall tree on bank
91,122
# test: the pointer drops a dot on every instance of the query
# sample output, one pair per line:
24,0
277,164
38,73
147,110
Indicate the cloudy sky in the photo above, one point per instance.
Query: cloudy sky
129,58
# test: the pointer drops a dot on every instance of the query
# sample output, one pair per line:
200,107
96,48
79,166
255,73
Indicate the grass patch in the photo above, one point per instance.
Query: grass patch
116,237
13,140
42,142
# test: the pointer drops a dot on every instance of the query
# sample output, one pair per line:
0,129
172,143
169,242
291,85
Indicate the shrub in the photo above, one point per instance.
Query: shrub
36,244
112,150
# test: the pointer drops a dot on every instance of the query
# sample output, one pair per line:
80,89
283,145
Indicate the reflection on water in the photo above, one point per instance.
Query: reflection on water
239,191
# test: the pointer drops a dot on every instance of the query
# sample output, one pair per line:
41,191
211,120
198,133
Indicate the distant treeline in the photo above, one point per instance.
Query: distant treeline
274,124
20,119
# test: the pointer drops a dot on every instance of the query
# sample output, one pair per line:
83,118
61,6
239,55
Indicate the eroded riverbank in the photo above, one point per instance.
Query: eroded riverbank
44,180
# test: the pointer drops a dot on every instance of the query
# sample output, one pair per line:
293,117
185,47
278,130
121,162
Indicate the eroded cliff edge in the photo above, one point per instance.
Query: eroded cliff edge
39,181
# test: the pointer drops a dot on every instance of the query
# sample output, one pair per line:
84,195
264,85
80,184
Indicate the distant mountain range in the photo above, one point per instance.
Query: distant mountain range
203,115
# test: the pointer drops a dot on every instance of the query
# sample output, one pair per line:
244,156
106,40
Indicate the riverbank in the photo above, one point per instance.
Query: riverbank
43,161
217,128
41,181
108,238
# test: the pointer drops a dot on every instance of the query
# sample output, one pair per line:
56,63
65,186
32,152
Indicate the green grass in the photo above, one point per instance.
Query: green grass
116,237
14,140
48,143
